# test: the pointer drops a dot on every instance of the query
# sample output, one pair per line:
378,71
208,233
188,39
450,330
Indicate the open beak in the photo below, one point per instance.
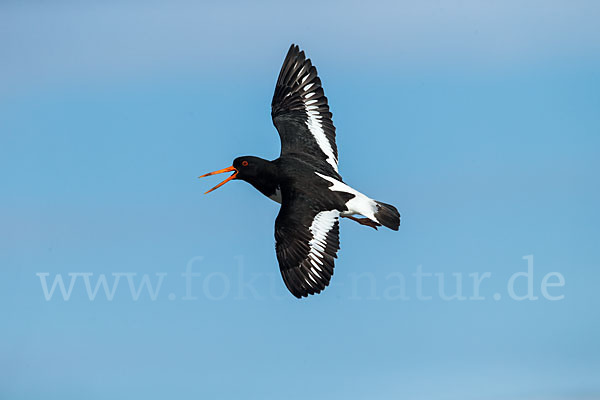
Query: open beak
228,169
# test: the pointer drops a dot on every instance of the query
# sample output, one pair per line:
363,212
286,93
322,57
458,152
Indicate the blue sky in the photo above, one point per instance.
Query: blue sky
478,120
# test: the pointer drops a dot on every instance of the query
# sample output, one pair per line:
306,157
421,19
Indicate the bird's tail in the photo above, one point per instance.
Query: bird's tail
387,215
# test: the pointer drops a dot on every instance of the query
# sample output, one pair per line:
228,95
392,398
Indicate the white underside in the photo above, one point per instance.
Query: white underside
359,204
277,196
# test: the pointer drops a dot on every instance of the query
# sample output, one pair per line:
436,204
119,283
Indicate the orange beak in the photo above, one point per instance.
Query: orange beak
228,169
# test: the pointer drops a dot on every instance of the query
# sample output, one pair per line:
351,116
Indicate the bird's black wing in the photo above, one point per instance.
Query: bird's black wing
307,240
300,111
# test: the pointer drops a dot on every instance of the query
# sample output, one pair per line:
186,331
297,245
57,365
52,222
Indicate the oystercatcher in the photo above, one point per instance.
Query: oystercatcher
305,181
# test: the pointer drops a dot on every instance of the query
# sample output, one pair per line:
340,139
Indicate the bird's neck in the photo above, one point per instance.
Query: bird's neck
267,182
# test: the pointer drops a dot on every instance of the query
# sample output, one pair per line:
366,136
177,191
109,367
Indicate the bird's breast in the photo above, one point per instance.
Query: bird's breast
276,196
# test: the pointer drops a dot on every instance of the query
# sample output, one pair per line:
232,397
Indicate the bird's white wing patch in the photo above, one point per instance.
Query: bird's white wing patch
316,128
319,229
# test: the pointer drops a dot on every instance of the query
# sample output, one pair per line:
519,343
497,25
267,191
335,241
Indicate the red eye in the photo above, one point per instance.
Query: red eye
244,163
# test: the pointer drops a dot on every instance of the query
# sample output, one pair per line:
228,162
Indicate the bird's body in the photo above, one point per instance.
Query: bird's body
306,181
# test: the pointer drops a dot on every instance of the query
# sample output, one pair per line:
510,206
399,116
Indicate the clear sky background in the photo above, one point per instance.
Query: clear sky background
479,120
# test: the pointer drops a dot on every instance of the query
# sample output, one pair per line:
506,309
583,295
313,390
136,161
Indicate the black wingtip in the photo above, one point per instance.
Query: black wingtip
294,49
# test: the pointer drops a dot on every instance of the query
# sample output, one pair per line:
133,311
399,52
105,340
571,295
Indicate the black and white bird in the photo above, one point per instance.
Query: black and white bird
306,182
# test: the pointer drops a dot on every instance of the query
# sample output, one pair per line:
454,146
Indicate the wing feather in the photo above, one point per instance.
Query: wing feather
300,111
306,245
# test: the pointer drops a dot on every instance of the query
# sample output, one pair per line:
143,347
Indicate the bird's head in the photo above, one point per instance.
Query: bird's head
246,168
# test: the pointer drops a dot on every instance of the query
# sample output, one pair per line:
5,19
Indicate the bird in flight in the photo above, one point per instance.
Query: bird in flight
306,182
